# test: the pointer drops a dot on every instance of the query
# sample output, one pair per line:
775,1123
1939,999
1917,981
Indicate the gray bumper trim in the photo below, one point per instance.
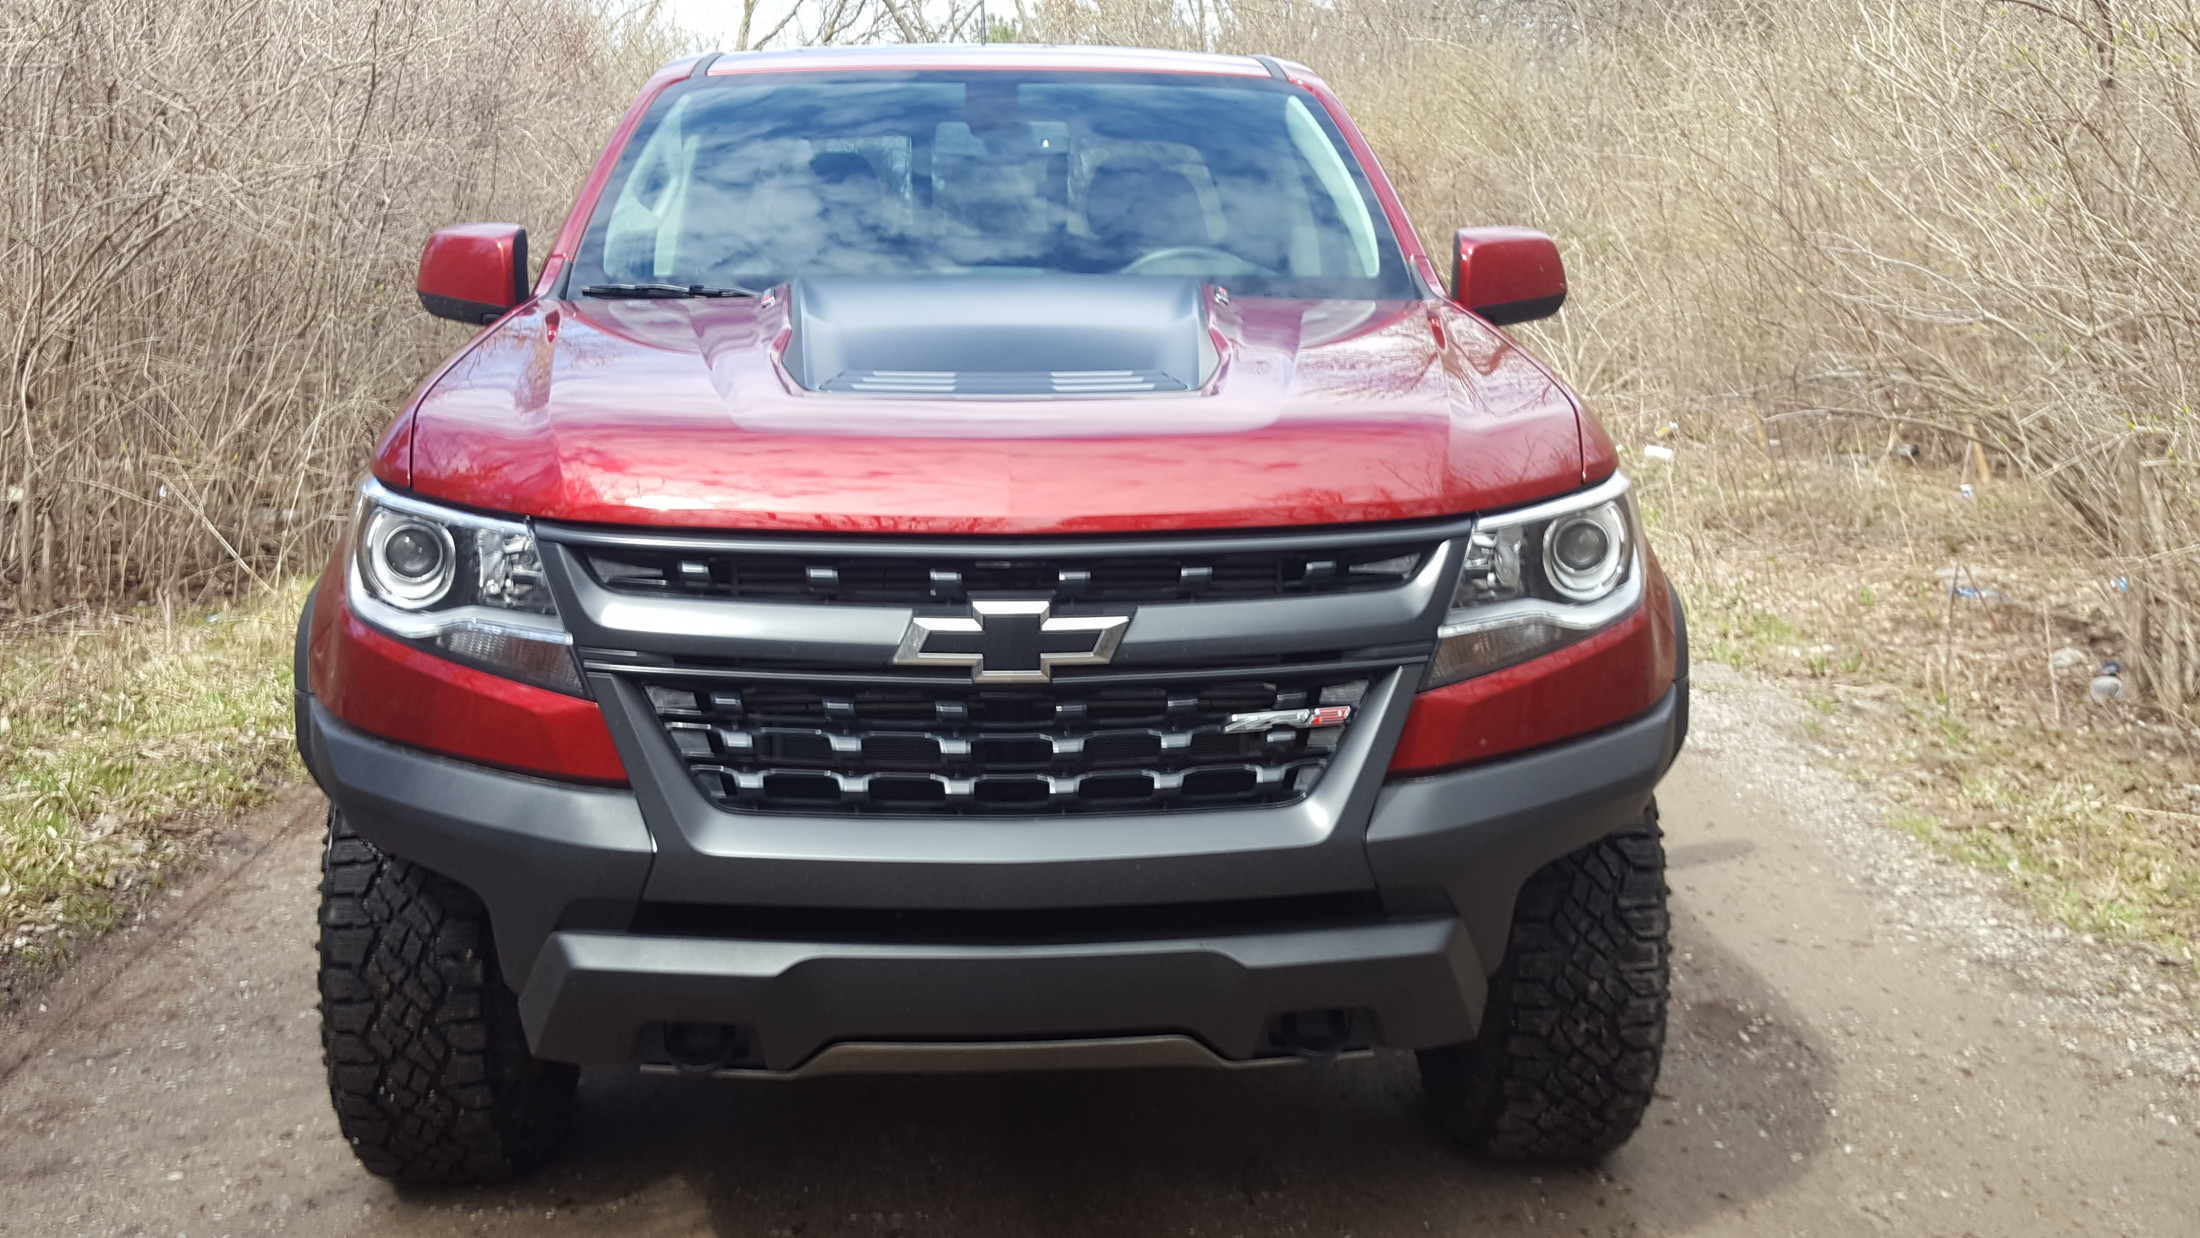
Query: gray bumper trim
591,994
531,848
1473,837
867,1057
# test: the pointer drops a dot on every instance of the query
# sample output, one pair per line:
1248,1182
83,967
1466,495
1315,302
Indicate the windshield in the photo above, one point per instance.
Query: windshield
748,181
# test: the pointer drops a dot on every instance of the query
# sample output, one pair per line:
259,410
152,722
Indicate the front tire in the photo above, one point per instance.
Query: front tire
1574,1032
427,1063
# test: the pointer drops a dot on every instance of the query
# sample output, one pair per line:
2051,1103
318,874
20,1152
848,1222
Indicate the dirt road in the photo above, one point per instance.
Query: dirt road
1867,1041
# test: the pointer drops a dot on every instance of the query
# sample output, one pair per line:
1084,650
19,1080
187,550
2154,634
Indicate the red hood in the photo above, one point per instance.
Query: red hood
677,413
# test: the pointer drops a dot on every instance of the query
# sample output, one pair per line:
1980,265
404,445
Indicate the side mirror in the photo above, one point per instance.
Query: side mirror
1507,275
472,273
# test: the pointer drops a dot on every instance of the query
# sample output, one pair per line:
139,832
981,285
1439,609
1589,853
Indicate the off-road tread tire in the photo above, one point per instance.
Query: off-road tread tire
427,1063
1572,1037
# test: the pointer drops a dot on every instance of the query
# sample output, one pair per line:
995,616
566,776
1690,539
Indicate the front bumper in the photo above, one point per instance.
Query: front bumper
591,994
567,874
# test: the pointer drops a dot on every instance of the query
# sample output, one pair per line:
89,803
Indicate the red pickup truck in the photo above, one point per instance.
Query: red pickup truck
988,558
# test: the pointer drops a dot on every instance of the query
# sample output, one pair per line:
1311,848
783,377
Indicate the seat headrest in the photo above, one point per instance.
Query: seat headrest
1145,207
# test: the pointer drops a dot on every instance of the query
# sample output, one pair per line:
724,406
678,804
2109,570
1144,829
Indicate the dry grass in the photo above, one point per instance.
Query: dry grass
123,740
1968,709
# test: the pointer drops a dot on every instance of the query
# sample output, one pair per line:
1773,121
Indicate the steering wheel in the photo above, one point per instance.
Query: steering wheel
1193,260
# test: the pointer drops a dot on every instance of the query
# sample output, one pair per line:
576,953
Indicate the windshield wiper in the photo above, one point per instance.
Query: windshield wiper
666,291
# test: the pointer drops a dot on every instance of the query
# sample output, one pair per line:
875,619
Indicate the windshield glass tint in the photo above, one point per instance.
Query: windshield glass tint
751,181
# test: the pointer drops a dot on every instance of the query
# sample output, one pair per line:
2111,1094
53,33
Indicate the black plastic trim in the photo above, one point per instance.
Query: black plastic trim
1680,668
724,628
591,994
1477,834
301,688
1033,926
1274,70
472,313
529,847
522,287
702,65
1506,313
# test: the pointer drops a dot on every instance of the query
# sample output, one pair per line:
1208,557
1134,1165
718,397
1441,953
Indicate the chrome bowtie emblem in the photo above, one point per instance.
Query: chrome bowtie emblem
1011,640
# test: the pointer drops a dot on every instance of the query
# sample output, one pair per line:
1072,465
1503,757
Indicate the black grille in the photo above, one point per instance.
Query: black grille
953,748
1296,570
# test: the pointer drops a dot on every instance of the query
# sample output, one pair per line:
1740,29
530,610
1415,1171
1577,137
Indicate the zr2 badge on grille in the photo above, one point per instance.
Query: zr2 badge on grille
1297,719
1011,640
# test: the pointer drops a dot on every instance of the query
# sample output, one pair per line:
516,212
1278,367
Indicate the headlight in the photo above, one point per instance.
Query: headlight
410,561
1540,578
466,587
1585,554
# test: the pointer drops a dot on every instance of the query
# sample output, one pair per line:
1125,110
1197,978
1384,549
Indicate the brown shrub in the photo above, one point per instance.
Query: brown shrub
209,210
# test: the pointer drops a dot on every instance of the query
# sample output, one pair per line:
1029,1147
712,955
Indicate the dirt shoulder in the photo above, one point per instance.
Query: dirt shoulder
131,744
1868,1039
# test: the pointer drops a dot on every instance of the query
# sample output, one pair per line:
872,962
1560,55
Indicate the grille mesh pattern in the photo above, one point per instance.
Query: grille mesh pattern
955,749
915,580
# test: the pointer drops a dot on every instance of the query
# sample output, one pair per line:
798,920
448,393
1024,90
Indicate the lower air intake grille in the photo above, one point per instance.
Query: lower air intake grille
961,750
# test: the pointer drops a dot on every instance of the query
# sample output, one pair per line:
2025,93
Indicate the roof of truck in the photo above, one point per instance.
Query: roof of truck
998,56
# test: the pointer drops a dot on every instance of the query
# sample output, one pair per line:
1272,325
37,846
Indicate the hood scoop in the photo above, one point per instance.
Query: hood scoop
967,335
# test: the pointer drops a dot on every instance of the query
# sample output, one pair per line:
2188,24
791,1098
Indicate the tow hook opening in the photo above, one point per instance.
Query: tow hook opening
1318,1035
698,1048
